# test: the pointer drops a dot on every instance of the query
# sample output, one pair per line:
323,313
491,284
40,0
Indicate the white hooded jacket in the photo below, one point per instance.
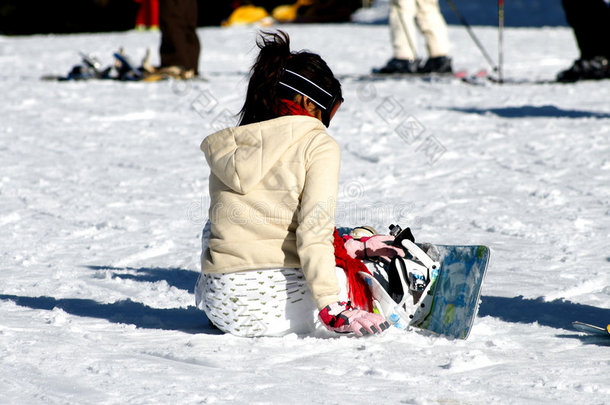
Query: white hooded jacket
273,189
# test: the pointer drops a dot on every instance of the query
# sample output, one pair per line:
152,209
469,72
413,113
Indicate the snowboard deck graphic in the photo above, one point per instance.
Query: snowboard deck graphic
457,290
450,302
592,329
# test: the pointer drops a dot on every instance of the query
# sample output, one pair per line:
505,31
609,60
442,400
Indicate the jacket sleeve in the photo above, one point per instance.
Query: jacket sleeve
317,219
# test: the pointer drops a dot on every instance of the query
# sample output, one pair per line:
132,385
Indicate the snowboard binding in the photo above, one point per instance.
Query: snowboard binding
399,234
126,70
122,69
404,293
89,68
417,267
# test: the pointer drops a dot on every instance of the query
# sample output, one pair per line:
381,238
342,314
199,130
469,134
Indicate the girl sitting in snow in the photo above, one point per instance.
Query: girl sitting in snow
270,245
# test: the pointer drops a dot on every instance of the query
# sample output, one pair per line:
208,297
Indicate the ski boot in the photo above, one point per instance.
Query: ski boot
399,66
596,68
437,65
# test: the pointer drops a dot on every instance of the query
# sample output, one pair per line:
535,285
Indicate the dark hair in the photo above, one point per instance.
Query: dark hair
265,93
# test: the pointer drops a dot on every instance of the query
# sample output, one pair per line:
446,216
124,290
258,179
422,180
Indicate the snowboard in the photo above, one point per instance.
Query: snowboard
592,329
89,68
123,68
449,304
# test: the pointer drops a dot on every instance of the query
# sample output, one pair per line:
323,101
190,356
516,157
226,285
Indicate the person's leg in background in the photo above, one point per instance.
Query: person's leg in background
434,28
180,45
590,21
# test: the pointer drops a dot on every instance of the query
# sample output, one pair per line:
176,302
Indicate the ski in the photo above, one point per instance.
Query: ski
460,75
478,78
512,81
592,329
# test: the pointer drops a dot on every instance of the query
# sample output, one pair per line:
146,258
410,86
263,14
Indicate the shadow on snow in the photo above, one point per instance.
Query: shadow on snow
175,277
189,320
557,314
527,111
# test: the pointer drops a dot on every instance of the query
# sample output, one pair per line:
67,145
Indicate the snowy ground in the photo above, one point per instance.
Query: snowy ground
103,195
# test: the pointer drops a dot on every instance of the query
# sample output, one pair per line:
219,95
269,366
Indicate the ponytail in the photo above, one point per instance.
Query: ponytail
264,94
261,97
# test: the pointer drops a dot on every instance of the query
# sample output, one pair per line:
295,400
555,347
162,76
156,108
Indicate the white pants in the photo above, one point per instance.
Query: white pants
266,302
430,21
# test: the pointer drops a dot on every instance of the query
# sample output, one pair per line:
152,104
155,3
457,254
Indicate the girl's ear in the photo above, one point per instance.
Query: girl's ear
300,100
308,105
311,107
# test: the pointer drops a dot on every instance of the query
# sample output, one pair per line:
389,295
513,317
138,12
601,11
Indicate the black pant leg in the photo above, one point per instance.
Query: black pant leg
590,20
179,42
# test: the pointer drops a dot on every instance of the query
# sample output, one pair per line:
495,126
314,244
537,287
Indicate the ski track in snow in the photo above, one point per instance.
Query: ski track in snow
104,194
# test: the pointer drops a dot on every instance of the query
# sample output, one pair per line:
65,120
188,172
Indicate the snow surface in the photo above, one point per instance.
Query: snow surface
103,195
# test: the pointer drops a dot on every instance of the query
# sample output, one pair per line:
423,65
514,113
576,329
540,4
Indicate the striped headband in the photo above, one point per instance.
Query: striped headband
308,88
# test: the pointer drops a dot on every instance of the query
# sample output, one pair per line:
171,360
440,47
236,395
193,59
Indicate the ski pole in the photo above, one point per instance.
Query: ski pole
472,35
500,40
403,24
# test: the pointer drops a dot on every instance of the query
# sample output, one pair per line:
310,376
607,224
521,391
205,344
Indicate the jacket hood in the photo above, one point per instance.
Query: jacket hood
241,156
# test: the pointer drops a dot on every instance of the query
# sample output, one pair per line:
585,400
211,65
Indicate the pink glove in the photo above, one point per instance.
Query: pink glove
341,317
375,246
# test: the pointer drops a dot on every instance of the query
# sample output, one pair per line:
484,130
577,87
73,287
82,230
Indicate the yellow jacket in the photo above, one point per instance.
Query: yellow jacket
273,189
